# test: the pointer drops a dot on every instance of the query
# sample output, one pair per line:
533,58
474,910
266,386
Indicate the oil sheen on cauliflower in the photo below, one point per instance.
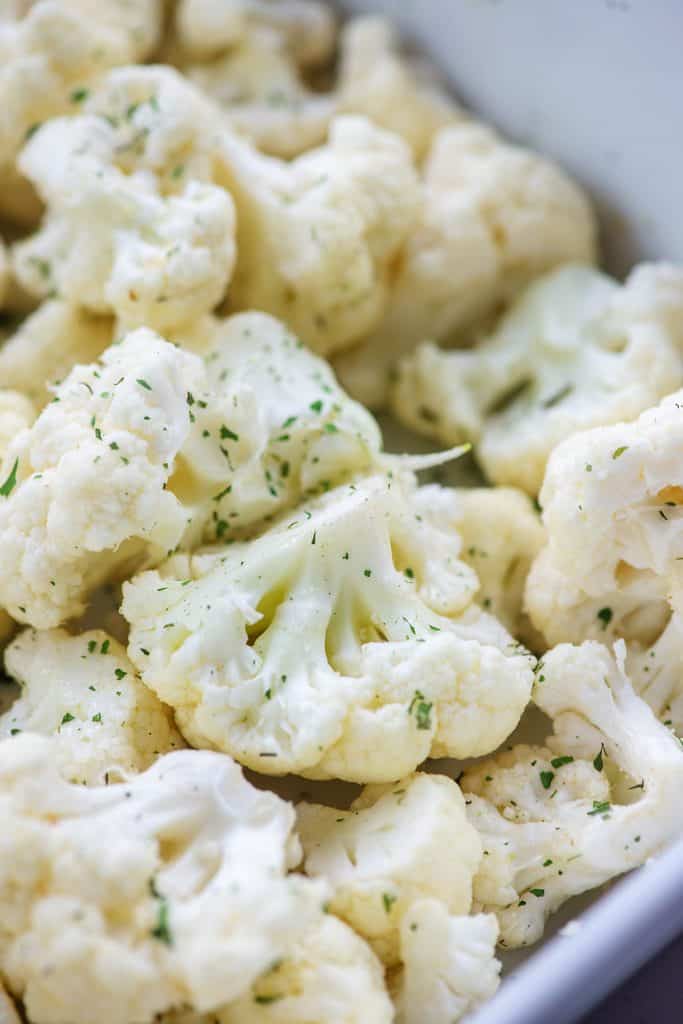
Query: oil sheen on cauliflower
84,488
576,351
492,218
611,500
449,964
131,228
329,645
125,901
397,844
598,799
317,238
84,690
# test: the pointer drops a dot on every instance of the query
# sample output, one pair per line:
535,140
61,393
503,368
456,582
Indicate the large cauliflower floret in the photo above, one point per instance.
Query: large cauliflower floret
48,344
611,500
326,645
317,238
657,674
576,351
292,430
599,799
449,962
493,217
84,690
376,80
397,844
51,52
124,901
84,487
130,228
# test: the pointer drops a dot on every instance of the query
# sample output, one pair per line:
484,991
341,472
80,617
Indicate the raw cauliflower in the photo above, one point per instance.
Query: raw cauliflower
575,351
611,499
84,487
48,344
376,80
122,902
493,217
449,964
131,228
317,238
397,844
84,690
329,646
16,414
51,52
600,797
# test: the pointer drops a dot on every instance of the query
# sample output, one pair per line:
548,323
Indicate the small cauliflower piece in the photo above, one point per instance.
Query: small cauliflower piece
125,901
376,80
48,344
396,845
131,227
205,27
657,674
576,351
292,430
596,801
16,413
326,645
84,487
317,238
449,964
493,217
84,690
612,504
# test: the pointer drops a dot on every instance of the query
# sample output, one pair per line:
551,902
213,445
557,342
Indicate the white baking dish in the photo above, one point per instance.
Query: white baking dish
597,84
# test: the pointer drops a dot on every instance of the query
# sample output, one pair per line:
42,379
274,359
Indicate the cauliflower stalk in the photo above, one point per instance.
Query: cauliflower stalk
397,844
492,218
84,690
611,499
576,351
597,800
317,237
122,902
329,645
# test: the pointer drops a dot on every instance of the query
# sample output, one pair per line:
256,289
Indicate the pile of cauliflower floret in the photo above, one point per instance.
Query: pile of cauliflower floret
231,229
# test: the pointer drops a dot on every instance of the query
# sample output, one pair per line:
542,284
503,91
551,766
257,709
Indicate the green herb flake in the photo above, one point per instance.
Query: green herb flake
537,893
600,807
316,406
11,481
119,673
79,95
227,434
546,779
143,383
67,717
619,451
605,616
388,901
97,717
597,760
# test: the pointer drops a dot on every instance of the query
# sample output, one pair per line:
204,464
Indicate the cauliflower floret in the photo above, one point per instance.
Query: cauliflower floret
48,344
318,237
84,690
449,964
292,430
657,674
397,844
377,81
50,54
575,351
493,217
130,229
124,901
598,800
611,499
264,97
84,487
326,647
16,414
205,27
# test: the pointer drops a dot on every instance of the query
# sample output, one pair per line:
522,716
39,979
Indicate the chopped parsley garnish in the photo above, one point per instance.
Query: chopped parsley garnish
265,1000
597,760
388,900
79,95
422,709
11,481
105,647
97,717
558,762
67,717
143,383
619,451
600,807
537,892
227,434
546,779
605,616
119,673
316,406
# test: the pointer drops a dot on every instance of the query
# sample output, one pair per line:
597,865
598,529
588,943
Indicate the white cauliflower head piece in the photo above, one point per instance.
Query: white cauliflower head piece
612,503
84,690
326,645
317,237
449,964
575,351
397,844
84,487
657,673
493,217
196,856
597,800
17,413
